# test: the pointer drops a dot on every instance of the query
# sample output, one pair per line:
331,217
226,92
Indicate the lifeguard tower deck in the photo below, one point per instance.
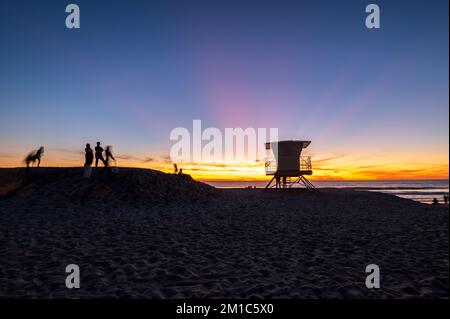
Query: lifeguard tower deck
287,166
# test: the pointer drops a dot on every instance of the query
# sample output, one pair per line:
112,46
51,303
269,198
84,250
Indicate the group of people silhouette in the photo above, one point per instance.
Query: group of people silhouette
35,158
177,171
89,157
436,202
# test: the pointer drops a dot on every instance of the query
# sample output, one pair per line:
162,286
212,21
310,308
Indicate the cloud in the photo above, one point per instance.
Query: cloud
63,150
126,157
166,159
327,159
148,160
367,166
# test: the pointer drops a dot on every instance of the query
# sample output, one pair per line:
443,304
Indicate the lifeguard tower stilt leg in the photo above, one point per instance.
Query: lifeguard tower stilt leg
268,185
300,180
305,182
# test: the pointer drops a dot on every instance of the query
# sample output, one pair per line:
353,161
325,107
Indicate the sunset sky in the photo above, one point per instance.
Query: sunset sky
374,103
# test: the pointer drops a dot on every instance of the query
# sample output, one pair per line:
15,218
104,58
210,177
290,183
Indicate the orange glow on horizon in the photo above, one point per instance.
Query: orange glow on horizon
323,169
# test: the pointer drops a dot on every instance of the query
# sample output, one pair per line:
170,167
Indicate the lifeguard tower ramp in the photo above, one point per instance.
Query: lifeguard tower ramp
287,166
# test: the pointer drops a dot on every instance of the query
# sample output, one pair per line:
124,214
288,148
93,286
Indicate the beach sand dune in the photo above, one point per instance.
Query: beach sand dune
146,234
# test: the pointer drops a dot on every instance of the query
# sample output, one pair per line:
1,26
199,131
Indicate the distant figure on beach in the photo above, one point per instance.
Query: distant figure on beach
435,201
99,154
180,172
34,157
109,156
175,168
89,159
278,182
284,181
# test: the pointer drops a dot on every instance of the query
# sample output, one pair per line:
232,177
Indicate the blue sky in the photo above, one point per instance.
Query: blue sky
137,69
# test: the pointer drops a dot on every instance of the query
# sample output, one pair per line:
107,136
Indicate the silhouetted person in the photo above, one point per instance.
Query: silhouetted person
99,154
180,172
175,168
277,181
435,201
284,181
34,157
109,156
89,159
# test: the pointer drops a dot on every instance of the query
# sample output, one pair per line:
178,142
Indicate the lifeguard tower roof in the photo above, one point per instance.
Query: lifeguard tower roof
294,144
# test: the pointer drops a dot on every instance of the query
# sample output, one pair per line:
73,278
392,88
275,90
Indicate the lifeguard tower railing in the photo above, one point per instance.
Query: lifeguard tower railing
271,164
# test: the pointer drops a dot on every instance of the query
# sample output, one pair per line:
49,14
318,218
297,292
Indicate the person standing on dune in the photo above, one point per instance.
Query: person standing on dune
89,158
99,155
109,155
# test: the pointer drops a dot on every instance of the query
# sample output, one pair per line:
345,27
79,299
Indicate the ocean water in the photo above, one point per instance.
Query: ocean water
419,190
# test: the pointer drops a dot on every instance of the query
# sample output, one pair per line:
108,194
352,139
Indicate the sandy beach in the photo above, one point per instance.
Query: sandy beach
146,234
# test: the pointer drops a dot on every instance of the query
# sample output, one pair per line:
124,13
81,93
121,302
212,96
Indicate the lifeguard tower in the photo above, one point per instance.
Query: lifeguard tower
285,163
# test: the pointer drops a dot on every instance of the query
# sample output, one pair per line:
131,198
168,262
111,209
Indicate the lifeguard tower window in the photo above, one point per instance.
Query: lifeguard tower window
284,161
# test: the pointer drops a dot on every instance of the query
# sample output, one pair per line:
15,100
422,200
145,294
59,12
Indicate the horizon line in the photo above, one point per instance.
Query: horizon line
249,180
